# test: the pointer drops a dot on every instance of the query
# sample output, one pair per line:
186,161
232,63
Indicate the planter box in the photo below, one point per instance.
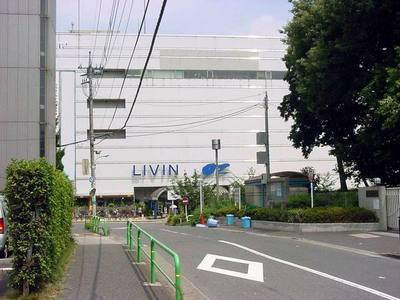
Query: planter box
309,227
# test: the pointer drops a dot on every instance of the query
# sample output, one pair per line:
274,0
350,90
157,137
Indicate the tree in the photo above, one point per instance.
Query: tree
338,51
189,187
60,152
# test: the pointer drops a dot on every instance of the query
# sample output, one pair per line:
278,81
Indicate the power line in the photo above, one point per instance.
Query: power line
190,127
196,122
147,60
130,60
122,46
97,27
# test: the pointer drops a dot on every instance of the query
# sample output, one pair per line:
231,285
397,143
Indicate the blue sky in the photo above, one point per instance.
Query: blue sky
231,17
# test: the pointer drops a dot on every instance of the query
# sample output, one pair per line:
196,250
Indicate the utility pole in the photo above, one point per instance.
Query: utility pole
107,134
92,193
267,162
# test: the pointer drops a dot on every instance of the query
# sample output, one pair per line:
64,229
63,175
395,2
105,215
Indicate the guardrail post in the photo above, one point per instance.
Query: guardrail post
152,261
139,246
178,280
130,236
127,233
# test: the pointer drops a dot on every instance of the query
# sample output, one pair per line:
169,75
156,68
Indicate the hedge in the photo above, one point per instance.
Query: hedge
337,199
298,215
40,205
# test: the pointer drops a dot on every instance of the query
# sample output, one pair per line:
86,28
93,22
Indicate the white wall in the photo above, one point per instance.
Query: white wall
166,102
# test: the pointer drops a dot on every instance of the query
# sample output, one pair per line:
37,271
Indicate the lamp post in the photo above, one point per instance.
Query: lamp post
216,145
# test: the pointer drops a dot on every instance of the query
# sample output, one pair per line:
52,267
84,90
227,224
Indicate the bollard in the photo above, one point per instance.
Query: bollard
152,261
178,281
139,247
127,233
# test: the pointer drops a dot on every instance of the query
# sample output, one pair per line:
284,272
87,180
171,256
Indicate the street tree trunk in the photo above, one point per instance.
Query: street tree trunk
340,168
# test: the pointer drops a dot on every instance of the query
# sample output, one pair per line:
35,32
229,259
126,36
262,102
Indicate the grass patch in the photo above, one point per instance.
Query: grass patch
52,289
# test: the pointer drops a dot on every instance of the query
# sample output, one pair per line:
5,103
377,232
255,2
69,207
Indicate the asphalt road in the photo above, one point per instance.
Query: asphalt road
229,264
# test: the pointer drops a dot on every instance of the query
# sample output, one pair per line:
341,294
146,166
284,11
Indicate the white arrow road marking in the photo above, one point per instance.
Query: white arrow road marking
255,269
322,274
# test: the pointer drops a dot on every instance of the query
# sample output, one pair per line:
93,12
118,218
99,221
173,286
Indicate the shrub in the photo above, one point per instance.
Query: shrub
174,220
331,215
40,205
337,199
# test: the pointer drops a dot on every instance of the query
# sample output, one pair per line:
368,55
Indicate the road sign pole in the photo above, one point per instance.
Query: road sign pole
186,212
201,195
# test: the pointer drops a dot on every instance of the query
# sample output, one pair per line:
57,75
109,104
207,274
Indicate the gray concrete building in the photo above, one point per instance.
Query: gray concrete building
27,81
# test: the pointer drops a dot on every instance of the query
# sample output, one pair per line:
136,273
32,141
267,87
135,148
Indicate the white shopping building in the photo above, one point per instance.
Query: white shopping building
197,88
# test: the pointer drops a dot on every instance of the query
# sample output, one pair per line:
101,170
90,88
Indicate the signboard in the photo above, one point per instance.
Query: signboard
262,158
261,138
185,200
209,169
172,196
85,166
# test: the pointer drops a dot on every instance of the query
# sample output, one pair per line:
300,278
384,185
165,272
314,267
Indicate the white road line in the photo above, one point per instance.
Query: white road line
170,231
389,234
254,269
118,228
322,274
6,269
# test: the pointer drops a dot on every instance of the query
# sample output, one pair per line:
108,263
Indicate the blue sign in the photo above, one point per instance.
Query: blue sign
210,169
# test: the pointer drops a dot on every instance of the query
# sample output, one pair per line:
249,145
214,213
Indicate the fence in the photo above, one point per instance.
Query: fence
140,233
393,207
97,225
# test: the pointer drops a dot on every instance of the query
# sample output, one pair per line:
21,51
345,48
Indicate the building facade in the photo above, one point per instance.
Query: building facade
196,88
27,81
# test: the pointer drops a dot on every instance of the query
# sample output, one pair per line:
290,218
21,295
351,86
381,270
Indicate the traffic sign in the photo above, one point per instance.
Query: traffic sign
185,200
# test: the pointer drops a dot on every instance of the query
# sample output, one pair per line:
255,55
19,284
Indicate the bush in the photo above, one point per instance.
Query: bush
331,215
174,220
308,215
40,205
337,199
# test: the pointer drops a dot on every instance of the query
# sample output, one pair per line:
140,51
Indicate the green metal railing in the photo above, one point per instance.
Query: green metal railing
98,225
177,284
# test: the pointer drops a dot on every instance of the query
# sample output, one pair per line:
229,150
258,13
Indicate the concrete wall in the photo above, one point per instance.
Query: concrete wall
20,81
307,227
374,198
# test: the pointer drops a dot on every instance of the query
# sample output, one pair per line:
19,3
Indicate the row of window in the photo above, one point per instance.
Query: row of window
197,74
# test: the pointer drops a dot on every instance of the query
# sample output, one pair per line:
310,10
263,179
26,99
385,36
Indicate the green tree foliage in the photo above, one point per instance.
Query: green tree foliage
189,186
59,156
343,79
40,203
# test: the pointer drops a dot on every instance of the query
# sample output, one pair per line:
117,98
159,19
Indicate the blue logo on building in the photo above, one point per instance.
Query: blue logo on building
210,169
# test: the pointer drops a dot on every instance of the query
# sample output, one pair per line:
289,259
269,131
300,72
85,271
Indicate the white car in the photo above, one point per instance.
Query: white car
3,226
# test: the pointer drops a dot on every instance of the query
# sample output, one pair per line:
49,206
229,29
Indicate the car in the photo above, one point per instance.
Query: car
3,227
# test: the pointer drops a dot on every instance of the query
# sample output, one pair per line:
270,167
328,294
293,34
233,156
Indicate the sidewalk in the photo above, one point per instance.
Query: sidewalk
101,269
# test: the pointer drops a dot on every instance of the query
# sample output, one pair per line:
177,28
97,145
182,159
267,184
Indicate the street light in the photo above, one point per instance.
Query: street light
216,145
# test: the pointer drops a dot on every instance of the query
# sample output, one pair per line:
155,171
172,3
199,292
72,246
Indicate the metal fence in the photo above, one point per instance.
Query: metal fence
393,207
134,236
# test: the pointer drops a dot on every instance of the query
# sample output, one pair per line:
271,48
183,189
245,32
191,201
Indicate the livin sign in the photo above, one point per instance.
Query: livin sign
154,170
